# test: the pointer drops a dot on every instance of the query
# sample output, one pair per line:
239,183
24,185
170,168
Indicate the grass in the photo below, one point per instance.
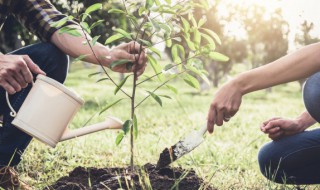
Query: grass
227,159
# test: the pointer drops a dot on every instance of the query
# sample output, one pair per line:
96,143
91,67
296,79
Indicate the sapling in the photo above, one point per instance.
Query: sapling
156,22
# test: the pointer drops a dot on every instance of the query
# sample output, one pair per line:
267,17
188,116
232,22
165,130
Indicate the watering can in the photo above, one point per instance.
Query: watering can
48,110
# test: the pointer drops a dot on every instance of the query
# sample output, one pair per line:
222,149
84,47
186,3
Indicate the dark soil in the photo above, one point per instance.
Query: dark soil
146,177
166,157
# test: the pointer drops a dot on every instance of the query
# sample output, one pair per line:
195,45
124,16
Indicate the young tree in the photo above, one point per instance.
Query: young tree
155,22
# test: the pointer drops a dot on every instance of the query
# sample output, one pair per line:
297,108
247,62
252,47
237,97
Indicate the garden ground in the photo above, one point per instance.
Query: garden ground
227,159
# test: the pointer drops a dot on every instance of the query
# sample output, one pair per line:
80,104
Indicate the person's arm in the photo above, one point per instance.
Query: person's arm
297,65
277,128
76,46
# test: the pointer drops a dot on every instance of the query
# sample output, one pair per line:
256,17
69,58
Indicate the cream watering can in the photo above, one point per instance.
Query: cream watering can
49,108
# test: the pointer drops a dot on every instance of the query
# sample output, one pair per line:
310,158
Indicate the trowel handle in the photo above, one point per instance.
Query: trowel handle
203,130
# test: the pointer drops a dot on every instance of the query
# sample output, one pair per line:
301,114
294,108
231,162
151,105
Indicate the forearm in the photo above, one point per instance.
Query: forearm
305,120
76,46
297,65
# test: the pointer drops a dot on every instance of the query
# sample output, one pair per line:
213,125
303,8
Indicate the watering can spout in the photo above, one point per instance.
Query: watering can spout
109,123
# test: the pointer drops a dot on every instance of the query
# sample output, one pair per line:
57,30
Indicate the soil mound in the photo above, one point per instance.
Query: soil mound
146,177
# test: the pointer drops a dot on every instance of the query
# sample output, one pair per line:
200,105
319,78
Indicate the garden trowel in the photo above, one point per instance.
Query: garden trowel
181,148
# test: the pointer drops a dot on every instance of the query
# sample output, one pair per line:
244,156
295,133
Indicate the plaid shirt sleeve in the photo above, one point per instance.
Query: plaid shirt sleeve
37,15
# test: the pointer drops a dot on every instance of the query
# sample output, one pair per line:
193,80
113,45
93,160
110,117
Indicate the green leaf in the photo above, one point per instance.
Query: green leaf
165,96
178,53
175,54
197,37
193,20
156,67
155,97
155,50
190,44
208,38
155,24
119,62
93,74
186,25
149,4
93,7
116,11
168,42
166,28
218,57
94,40
84,16
79,58
157,2
212,34
145,42
121,83
141,10
193,82
59,23
102,79
168,67
173,89
135,126
168,1
119,137
126,126
85,26
198,73
70,31
202,21
113,38
96,24
110,105
124,33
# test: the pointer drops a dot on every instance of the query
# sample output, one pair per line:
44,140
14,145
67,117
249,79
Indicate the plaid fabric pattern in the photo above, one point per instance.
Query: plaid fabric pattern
36,15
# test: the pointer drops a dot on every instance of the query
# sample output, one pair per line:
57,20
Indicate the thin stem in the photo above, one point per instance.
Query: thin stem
105,71
133,101
125,7
164,83
149,78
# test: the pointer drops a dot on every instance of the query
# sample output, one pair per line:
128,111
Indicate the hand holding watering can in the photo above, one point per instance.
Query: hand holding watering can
49,108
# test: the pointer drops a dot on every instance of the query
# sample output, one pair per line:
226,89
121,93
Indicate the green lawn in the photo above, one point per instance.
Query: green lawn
227,158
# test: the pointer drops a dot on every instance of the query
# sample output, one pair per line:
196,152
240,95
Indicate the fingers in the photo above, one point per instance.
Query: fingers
219,118
141,66
272,124
276,136
7,86
137,49
33,68
274,118
211,119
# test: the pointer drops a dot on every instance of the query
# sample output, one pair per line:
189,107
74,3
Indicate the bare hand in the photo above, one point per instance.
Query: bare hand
129,51
225,105
15,72
277,128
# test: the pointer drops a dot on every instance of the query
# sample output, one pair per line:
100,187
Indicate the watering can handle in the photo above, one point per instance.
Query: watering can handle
13,113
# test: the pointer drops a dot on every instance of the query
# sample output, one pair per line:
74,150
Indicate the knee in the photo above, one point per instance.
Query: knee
269,163
57,62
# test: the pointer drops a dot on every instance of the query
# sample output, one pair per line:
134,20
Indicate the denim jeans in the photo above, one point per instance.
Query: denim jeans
55,64
292,160
296,159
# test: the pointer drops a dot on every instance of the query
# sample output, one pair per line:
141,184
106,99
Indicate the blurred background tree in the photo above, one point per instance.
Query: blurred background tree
304,37
251,34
